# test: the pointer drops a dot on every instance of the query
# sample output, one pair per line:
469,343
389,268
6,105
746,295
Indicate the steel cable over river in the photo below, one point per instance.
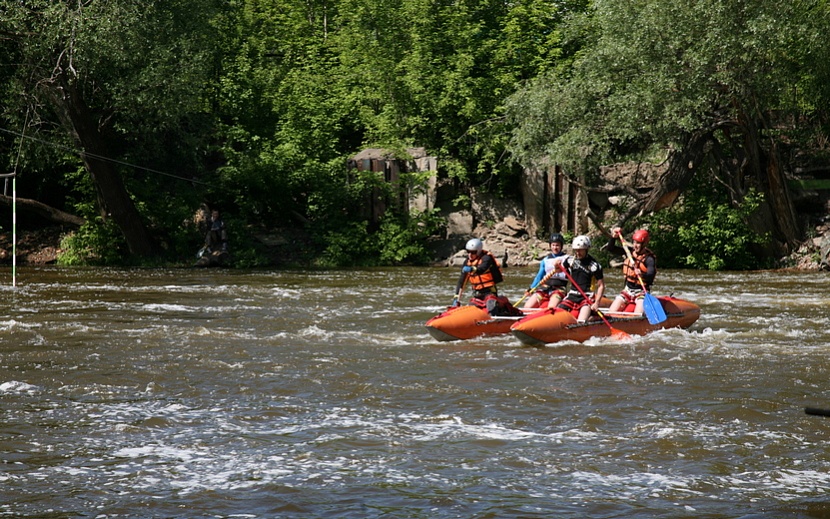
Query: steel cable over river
258,394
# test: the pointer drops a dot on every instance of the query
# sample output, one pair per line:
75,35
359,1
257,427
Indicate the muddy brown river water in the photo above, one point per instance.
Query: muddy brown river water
228,393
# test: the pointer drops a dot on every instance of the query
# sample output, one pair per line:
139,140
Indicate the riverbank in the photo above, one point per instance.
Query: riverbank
508,241
34,247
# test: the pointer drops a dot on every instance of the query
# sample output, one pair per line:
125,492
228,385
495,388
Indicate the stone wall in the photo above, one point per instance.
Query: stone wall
516,230
498,222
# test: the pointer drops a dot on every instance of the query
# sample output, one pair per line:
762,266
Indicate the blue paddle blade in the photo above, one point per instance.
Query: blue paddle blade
654,310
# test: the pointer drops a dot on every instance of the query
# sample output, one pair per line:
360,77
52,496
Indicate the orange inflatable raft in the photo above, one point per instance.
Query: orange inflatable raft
466,322
548,326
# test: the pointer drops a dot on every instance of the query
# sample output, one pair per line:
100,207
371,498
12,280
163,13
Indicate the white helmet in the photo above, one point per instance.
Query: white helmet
474,245
581,242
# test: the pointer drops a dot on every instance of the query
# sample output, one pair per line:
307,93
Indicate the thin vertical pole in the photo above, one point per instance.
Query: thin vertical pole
14,231
14,201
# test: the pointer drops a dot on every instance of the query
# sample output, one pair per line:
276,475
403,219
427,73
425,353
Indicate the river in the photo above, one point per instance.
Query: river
254,394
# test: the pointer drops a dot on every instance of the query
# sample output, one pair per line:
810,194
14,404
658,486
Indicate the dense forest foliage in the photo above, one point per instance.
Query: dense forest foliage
133,114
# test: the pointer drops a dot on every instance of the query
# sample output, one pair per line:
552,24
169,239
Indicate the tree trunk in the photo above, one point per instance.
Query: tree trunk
683,164
759,168
780,201
776,214
113,200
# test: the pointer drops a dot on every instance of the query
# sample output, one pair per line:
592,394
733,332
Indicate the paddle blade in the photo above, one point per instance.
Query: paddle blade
654,310
619,334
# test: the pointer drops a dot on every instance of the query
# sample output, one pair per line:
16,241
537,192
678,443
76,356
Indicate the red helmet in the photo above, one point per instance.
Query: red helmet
640,235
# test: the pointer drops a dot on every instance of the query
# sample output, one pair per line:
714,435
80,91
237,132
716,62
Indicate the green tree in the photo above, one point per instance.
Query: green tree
264,101
121,83
707,231
708,80
305,85
447,68
287,124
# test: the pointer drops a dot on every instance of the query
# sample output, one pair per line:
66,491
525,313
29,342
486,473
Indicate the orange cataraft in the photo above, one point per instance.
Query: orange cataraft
548,327
467,322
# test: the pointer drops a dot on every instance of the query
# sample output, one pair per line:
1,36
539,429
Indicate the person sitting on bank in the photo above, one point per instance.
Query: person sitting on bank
482,271
555,281
643,267
215,251
584,270
216,239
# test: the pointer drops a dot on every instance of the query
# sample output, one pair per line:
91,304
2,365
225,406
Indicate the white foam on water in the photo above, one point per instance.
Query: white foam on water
22,324
632,485
15,386
455,428
315,451
801,481
162,308
163,453
784,485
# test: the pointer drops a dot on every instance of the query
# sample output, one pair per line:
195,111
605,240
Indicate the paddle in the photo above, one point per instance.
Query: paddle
618,334
547,277
460,291
653,308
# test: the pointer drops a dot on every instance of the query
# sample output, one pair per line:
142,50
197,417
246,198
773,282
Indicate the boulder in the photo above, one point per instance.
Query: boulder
459,223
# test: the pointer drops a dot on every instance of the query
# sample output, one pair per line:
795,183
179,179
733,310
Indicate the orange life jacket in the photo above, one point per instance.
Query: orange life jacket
630,270
483,280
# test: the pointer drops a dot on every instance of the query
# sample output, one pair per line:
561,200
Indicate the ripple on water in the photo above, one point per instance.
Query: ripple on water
305,394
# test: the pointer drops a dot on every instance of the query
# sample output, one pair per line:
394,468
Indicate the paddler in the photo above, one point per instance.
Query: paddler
584,270
643,267
550,281
481,270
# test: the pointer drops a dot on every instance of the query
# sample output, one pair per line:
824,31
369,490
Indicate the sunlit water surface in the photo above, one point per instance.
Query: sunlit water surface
193,393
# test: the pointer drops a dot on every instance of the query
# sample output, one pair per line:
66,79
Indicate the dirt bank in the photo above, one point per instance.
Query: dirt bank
38,247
